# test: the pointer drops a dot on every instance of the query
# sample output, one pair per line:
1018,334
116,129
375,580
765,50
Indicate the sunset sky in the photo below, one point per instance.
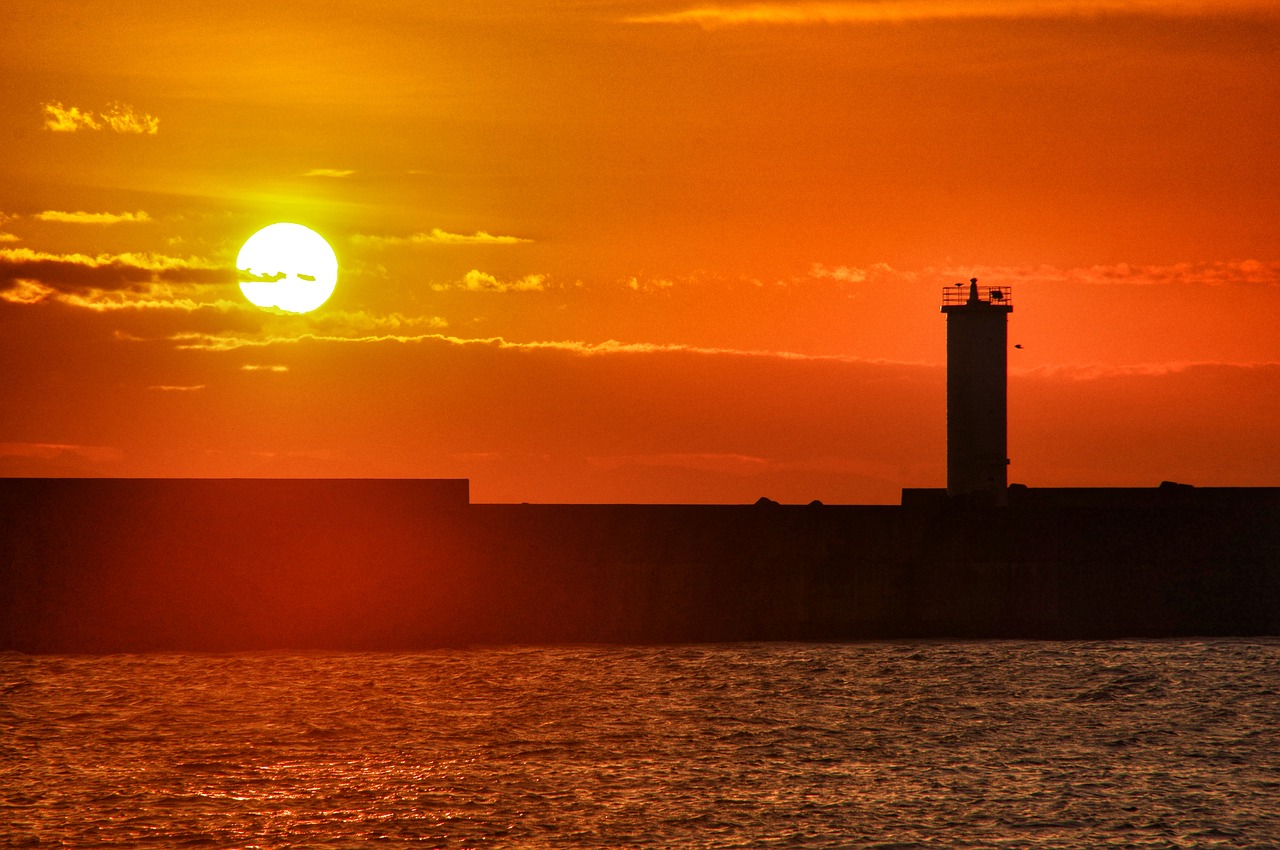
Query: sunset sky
615,251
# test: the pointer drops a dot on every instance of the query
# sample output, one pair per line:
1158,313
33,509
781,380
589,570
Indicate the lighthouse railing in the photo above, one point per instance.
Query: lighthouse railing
958,295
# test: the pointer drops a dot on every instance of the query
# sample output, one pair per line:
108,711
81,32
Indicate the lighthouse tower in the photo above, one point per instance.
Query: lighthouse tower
977,362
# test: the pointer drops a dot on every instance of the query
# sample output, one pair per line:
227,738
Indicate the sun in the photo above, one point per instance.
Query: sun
287,267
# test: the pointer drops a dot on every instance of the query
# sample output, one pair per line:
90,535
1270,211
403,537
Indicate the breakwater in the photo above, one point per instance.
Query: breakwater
102,565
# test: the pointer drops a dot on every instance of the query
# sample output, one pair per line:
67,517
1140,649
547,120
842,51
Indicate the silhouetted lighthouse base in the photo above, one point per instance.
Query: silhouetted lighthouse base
977,362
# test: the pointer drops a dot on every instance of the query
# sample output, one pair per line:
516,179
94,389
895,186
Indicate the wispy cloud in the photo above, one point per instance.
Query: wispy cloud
76,269
81,217
1218,273
182,298
1102,371
256,367
117,118
436,236
900,11
362,322
49,451
23,291
5,218
232,341
660,284
851,274
735,464
167,388
68,119
113,281
329,172
478,281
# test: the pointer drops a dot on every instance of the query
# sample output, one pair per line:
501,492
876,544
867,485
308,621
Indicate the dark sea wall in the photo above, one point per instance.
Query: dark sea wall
97,565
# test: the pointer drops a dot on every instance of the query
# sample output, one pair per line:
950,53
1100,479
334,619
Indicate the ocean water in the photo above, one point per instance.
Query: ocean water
974,744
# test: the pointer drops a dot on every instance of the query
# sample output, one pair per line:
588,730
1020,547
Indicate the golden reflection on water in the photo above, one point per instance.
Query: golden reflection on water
969,744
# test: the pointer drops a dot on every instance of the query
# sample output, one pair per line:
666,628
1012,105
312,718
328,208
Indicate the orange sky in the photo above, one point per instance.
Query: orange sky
640,251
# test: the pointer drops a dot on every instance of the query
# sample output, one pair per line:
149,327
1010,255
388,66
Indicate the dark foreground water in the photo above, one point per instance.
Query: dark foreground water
1129,744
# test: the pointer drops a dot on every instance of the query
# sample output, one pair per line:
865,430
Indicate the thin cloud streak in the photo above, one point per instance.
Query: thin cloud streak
108,282
329,172
1079,372
23,291
1222,273
1076,372
903,11
49,451
436,236
229,342
737,464
118,118
81,217
478,281
107,271
1236,272
154,297
5,218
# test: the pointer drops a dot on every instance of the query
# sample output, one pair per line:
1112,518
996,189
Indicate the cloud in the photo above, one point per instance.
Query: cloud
112,281
436,236
5,218
478,281
63,119
77,270
255,367
232,341
266,277
81,217
660,284
735,464
1077,372
1238,272
900,11
362,322
118,118
150,297
326,326
48,451
164,388
1217,273
329,172
851,274
26,292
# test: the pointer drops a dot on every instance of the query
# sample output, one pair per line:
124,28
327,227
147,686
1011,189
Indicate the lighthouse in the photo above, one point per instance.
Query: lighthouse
977,363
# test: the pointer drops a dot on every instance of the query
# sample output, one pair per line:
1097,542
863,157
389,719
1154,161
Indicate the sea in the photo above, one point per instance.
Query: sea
1161,743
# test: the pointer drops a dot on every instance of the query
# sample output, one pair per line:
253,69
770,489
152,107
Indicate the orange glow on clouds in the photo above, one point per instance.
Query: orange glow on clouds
652,251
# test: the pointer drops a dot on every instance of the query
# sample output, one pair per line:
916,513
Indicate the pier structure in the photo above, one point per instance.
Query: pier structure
221,565
977,406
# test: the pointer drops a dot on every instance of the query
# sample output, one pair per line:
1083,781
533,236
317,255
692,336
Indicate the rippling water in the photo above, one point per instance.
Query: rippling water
1138,744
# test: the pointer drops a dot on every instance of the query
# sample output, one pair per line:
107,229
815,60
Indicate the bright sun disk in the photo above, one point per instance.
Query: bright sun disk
287,267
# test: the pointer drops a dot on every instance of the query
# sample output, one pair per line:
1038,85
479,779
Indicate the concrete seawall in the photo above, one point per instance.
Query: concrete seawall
97,565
